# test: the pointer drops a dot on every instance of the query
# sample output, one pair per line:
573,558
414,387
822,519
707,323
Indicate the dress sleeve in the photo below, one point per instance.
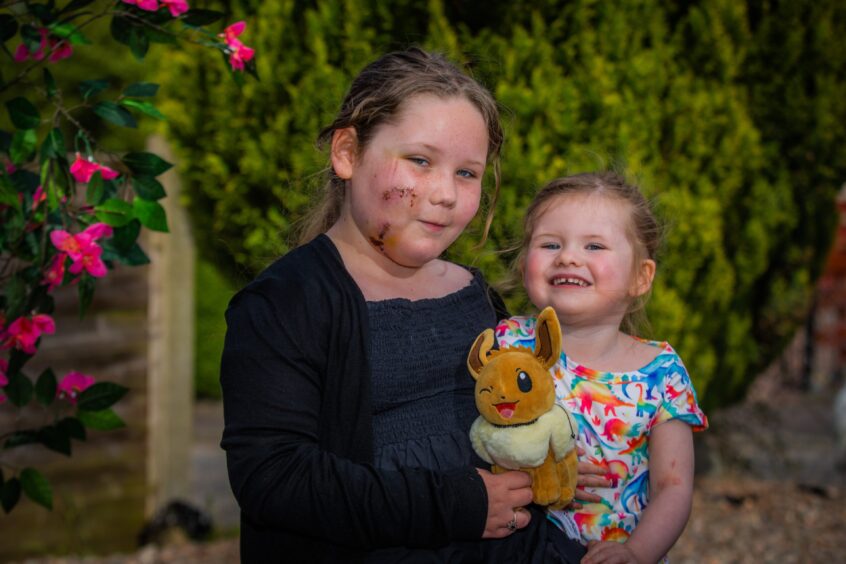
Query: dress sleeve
678,398
281,475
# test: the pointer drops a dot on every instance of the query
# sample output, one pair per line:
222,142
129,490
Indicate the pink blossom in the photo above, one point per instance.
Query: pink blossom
4,381
59,48
23,332
73,384
83,249
238,52
39,197
176,7
83,169
90,261
55,273
148,5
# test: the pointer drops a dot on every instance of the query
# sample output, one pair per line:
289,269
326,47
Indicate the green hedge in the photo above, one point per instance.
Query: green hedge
731,116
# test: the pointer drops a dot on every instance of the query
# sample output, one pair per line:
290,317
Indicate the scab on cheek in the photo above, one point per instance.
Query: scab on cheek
397,193
379,240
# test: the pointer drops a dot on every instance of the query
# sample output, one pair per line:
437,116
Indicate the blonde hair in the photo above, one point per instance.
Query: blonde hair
644,231
376,96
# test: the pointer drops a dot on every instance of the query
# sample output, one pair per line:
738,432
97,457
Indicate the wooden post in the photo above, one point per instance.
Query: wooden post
171,348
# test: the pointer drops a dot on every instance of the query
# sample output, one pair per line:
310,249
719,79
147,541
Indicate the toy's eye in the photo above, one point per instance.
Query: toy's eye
524,382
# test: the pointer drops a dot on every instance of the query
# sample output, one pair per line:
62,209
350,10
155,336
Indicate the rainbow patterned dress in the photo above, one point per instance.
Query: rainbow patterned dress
615,412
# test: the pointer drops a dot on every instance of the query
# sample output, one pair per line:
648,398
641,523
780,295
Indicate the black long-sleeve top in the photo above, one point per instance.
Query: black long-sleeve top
298,434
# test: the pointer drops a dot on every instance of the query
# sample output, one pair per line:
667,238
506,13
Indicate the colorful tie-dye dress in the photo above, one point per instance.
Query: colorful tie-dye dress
615,412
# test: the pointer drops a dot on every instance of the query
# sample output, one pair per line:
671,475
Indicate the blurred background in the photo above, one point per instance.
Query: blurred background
731,116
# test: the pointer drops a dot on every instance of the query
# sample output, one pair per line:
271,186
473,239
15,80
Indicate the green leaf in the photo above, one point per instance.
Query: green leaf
36,487
100,396
123,238
73,427
54,145
88,88
95,190
85,293
114,212
110,111
148,188
22,113
139,42
17,290
31,37
145,164
144,107
55,438
134,256
141,89
56,181
10,494
67,30
21,438
121,29
23,146
101,420
19,389
8,193
8,27
45,387
199,18
151,214
50,84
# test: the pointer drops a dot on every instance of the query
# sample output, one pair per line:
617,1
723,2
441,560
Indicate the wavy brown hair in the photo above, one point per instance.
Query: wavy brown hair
377,96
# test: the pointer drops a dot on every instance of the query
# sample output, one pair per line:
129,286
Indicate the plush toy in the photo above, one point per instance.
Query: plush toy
520,426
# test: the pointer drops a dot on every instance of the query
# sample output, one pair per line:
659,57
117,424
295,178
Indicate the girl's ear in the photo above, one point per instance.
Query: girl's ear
344,151
644,276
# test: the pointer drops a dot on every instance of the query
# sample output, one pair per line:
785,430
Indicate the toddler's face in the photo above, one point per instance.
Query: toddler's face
580,260
417,184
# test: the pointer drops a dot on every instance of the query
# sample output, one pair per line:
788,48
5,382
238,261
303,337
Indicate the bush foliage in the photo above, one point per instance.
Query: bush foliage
730,115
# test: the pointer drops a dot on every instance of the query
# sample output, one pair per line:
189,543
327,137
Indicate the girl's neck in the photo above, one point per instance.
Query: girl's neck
605,348
379,278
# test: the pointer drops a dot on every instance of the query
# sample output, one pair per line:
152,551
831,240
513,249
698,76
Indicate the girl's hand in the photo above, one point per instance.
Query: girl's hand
608,552
508,493
592,476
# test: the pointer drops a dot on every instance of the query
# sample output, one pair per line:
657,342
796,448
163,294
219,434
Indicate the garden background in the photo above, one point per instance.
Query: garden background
730,115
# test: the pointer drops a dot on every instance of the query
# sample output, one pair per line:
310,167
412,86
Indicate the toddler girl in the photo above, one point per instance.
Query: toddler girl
589,252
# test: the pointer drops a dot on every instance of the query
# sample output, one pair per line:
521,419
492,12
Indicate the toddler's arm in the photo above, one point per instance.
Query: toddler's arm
670,497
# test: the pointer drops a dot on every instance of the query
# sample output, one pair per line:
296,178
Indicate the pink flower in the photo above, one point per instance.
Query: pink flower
23,332
82,249
90,261
60,49
73,384
39,197
4,381
148,5
238,52
55,273
176,7
83,169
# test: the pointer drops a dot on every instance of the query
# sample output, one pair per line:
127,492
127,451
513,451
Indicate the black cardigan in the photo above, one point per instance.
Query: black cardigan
298,437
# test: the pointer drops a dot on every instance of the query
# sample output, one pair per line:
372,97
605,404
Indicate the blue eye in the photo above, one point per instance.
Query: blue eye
419,161
524,382
594,247
551,246
464,173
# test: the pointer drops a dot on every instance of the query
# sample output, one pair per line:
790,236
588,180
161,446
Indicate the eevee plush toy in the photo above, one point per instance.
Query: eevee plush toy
520,426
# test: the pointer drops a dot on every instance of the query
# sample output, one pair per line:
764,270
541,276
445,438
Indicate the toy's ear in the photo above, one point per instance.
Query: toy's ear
548,338
478,356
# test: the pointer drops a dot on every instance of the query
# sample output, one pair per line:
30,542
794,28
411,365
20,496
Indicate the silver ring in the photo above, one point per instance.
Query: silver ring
512,525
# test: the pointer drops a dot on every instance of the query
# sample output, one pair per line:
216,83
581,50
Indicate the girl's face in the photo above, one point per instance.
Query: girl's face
580,260
417,184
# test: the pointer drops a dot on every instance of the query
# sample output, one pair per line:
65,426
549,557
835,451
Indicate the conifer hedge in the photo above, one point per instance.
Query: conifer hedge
730,115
